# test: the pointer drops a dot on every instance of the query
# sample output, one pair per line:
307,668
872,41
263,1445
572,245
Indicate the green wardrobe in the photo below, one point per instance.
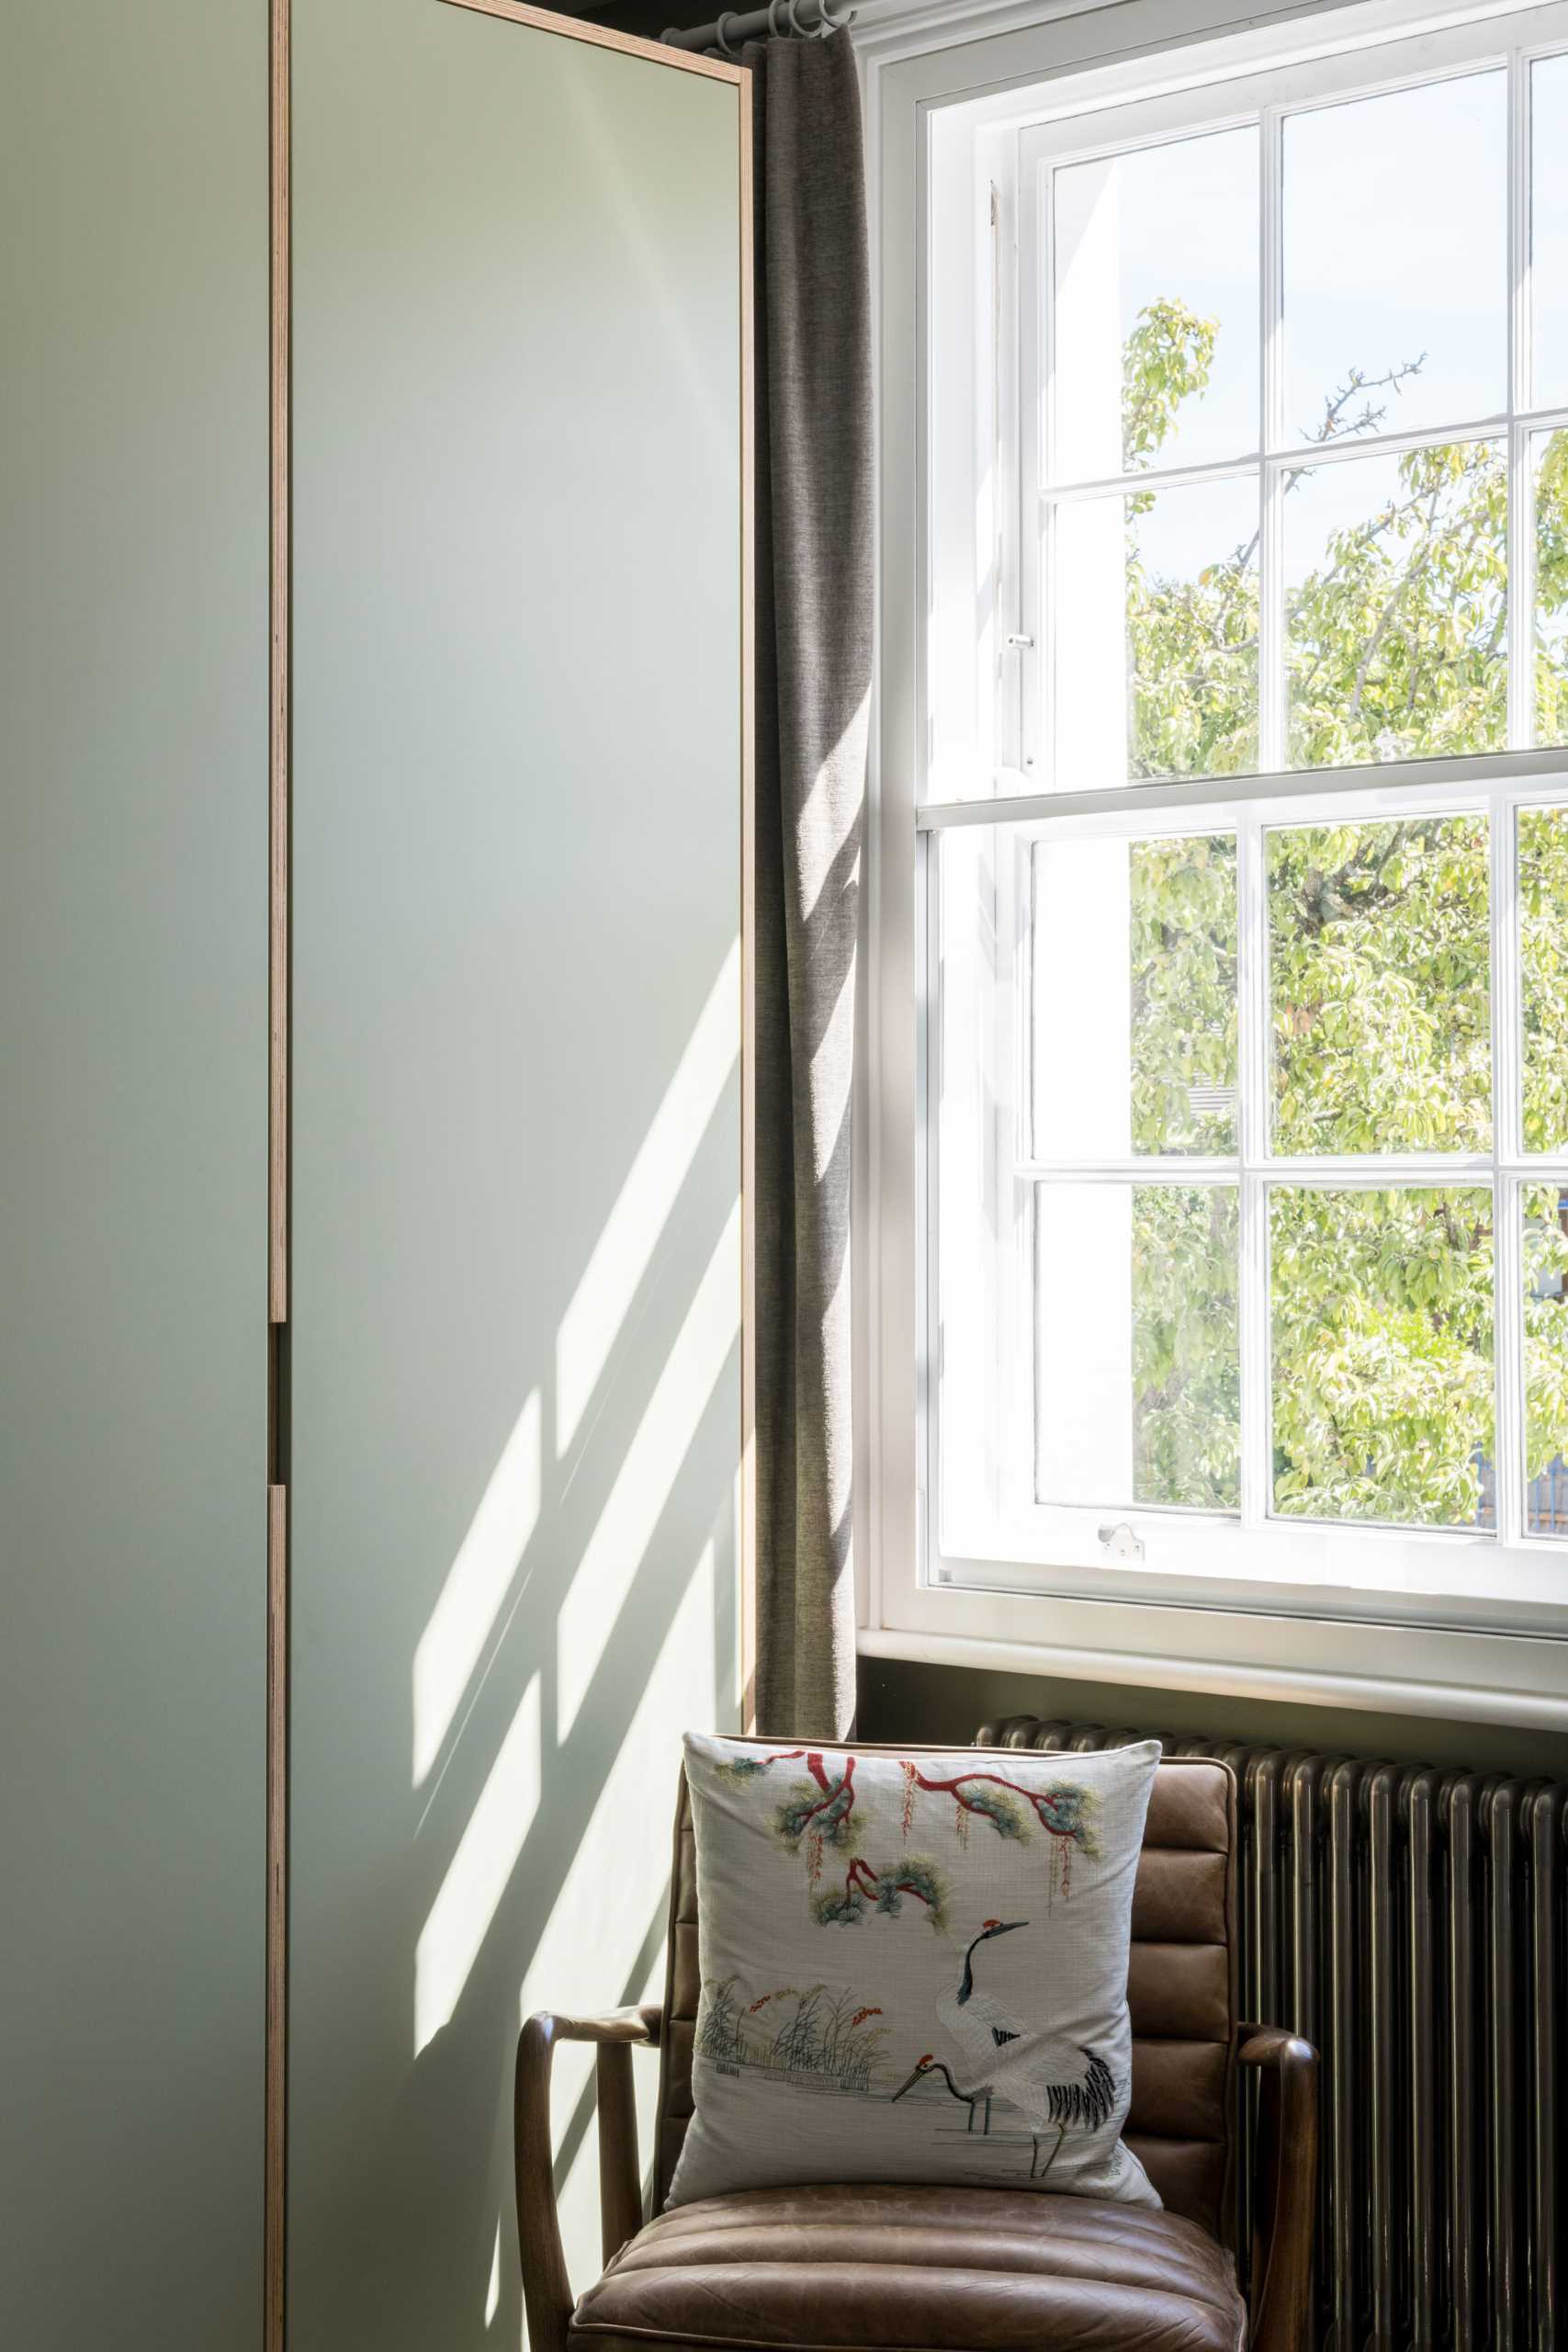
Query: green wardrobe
484,1342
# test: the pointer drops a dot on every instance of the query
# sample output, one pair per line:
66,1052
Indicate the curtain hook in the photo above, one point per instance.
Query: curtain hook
721,36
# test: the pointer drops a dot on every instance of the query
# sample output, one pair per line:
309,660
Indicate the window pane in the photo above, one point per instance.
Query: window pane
982,1209
1549,472
1138,1392
1382,1313
1395,269
1544,1208
1156,290
1548,228
1156,635
1378,956
1132,986
1396,612
1543,973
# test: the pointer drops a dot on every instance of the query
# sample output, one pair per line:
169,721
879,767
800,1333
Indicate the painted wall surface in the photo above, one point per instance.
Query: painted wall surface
134,631
515,1375
902,1699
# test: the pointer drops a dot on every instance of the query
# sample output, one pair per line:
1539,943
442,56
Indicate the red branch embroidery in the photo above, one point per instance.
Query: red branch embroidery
821,1811
1044,1805
822,1817
871,1882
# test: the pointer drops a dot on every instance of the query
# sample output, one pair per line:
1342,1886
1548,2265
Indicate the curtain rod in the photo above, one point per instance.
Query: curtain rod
806,18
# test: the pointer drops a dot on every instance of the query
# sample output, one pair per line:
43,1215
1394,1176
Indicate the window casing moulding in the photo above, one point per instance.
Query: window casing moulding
912,60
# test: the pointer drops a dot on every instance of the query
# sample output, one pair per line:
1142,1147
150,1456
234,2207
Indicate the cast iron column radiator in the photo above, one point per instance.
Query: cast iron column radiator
1411,1923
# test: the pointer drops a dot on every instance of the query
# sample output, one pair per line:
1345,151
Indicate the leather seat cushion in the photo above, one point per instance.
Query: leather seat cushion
919,2268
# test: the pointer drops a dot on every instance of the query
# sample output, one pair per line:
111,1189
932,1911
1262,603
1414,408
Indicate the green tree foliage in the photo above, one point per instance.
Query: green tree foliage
1381,1012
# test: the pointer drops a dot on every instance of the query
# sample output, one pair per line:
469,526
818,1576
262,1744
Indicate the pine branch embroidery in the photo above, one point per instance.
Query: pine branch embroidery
820,1810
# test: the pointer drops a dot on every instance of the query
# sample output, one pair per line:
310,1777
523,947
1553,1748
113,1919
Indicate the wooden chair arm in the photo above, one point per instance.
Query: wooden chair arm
547,2290
1286,2185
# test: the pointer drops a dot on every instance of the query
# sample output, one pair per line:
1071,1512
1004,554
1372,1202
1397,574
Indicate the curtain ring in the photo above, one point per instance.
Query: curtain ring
720,38
773,7
827,22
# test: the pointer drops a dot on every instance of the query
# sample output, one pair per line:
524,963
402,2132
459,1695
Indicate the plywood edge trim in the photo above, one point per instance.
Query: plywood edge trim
545,20
277,671
276,1966
748,1531
277,2038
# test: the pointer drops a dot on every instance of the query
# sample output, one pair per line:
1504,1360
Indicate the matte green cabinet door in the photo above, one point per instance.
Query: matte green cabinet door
133,783
515,1356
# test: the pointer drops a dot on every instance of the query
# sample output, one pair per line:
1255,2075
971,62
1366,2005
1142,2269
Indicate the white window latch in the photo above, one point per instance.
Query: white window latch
1121,1542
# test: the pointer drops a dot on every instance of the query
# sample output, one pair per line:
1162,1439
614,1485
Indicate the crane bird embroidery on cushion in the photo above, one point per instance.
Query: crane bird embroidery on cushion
979,2099
1050,2082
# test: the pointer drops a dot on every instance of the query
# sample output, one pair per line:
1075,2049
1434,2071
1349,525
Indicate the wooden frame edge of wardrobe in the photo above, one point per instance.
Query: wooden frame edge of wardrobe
547,20
276,1960
747,1532
278,667
274,2160
274,2108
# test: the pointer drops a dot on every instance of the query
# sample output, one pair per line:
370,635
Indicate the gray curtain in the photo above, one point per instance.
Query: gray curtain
814,649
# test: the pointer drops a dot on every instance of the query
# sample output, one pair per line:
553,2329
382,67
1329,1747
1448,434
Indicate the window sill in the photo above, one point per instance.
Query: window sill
1524,1685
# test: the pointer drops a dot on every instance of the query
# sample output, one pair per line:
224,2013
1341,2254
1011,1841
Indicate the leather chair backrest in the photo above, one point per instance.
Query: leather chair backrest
1182,1990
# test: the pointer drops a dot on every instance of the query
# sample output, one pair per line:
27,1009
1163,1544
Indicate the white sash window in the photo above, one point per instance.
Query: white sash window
1225,760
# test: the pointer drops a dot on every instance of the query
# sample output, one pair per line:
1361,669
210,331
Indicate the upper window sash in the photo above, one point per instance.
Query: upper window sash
988,704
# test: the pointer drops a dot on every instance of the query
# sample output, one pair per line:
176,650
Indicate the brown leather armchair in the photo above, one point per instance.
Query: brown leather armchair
868,2268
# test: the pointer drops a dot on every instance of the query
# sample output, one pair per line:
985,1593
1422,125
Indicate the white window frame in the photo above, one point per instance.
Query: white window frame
1257,1624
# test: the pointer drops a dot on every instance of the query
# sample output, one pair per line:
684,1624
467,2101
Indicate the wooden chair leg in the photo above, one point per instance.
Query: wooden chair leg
1286,2186
547,2288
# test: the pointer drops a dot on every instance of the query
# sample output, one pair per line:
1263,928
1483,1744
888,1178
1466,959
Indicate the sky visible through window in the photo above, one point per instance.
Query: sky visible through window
1396,234
1395,219
1185,224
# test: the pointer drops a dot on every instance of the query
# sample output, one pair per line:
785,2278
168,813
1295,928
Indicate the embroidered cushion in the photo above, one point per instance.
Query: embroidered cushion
913,1968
